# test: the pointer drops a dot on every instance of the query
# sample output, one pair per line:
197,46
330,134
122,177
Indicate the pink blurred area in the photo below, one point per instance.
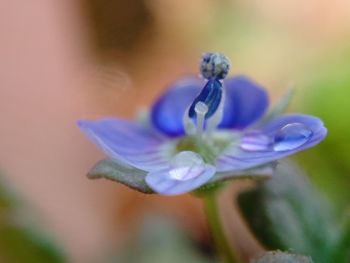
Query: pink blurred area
47,69
46,85
42,152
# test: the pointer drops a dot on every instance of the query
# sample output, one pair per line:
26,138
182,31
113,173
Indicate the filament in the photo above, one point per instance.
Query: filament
201,109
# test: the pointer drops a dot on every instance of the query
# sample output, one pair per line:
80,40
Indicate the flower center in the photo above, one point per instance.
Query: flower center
209,150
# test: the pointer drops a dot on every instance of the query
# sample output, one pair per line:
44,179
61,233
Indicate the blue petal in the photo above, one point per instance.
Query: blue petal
246,102
129,142
162,181
235,158
168,111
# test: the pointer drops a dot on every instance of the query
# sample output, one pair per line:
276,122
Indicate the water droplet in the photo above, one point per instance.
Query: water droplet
185,165
291,136
255,142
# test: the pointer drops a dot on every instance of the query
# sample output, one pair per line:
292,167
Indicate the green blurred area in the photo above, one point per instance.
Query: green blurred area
281,213
326,92
160,239
20,240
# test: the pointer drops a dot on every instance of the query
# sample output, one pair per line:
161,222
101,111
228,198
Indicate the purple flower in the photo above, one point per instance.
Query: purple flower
201,131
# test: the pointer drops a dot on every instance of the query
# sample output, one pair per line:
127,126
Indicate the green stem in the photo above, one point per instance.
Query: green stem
213,217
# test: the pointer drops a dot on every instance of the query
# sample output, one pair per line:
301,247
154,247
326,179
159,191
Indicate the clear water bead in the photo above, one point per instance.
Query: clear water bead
185,165
291,136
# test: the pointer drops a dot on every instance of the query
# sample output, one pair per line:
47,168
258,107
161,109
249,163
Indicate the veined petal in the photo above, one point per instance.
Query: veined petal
168,111
129,142
187,173
314,123
246,102
235,157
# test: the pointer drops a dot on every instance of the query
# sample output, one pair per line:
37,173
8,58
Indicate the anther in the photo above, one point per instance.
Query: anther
214,66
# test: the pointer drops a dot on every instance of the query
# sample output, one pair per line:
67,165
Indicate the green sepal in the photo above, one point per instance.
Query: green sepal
258,173
121,173
220,178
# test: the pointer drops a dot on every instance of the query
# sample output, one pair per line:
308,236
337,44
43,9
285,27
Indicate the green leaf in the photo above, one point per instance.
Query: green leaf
282,257
127,175
285,213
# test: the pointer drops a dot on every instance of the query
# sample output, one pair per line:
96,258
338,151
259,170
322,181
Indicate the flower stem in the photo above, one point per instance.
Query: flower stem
222,244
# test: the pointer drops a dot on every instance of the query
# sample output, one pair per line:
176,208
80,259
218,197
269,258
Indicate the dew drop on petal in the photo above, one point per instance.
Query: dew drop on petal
291,136
186,165
255,142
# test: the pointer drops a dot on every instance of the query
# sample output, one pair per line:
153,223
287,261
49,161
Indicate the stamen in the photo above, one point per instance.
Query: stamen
215,120
188,123
201,109
206,110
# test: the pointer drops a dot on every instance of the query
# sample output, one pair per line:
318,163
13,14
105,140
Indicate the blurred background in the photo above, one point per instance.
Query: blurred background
65,60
